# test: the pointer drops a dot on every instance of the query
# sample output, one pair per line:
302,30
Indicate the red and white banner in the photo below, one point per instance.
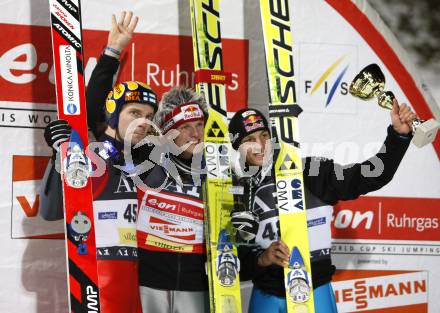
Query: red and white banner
381,291
27,65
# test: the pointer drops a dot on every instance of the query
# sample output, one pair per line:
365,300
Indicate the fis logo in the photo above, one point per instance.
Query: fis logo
338,70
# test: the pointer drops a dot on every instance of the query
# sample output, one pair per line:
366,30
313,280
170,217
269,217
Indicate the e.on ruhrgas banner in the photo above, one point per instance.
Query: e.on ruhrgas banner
383,240
27,66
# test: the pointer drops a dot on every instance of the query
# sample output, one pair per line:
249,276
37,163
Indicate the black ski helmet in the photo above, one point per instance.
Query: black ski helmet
127,92
244,123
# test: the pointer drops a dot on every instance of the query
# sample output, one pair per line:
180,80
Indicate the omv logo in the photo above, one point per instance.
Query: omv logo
330,81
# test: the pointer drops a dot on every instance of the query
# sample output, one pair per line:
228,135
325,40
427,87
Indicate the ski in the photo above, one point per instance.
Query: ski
65,23
283,115
222,261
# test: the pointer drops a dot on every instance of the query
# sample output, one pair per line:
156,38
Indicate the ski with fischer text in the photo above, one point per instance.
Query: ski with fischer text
283,115
222,261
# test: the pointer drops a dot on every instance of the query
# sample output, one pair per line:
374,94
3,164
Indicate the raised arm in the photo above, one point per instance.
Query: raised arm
101,80
332,182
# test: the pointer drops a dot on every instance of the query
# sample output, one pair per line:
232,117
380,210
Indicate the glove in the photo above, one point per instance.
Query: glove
57,132
246,224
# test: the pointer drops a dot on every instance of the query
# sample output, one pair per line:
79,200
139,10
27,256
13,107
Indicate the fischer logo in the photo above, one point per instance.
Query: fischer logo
370,293
282,50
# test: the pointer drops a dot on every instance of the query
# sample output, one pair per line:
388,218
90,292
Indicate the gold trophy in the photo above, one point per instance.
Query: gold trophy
370,83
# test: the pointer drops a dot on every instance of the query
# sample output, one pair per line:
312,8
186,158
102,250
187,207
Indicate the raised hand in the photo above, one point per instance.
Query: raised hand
401,118
121,32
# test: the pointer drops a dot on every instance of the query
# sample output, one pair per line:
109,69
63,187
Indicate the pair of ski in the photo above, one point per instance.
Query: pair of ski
222,261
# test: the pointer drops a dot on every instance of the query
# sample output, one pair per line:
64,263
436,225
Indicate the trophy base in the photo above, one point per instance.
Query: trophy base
425,133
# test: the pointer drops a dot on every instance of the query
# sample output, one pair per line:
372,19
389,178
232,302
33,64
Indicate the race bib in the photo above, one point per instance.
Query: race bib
170,223
115,228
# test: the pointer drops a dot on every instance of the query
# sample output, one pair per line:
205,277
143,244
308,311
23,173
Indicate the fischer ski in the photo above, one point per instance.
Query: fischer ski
283,115
223,264
65,17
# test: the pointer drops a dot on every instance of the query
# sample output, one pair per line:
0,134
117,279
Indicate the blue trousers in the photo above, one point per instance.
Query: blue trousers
262,302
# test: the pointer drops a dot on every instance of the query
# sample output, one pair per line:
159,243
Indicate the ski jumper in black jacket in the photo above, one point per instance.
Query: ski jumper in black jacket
325,184
170,226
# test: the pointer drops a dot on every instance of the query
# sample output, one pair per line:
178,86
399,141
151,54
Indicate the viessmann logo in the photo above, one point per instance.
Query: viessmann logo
381,290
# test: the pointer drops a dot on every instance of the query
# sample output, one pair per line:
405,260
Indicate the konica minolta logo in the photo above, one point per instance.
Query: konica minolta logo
108,215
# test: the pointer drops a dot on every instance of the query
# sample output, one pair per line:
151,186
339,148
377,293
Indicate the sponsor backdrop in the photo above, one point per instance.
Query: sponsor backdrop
386,245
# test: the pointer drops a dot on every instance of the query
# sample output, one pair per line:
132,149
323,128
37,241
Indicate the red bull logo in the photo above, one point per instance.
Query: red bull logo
191,112
253,122
252,119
